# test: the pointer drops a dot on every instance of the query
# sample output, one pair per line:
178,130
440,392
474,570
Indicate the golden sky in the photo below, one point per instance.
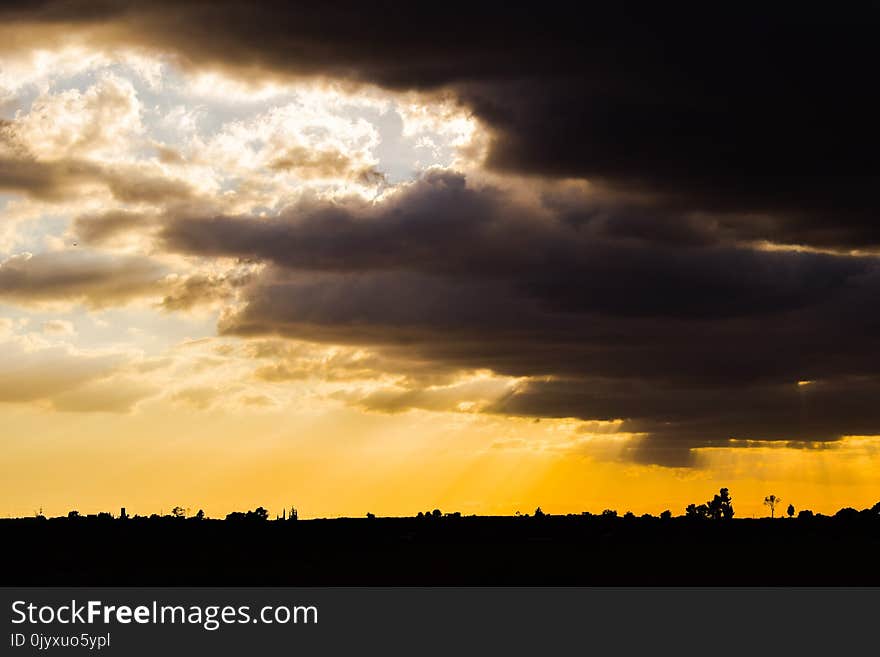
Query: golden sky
208,298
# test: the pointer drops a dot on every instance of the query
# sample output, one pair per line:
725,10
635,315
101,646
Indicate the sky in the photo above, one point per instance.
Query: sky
384,258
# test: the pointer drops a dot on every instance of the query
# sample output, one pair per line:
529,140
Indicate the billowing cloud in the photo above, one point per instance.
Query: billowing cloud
640,101
65,177
100,121
692,341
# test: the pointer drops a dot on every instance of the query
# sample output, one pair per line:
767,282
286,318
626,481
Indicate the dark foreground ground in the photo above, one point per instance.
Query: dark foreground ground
560,550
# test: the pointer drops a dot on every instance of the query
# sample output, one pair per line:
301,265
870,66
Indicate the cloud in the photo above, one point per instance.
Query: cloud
71,142
64,179
308,164
48,373
464,396
695,118
99,121
105,226
289,360
50,181
678,417
78,276
690,341
33,370
583,257
197,289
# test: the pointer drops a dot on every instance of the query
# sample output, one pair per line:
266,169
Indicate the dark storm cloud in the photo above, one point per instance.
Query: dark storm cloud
689,341
749,109
494,325
679,417
573,259
684,381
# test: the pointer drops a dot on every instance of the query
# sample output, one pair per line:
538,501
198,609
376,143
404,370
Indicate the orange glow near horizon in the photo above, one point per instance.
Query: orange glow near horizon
348,463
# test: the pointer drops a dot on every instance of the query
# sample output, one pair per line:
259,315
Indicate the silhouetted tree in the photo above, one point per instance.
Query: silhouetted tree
370,516
629,515
804,514
200,515
720,506
666,515
420,515
772,501
259,513
294,514
697,511
539,513
178,512
609,513
73,515
437,513
790,510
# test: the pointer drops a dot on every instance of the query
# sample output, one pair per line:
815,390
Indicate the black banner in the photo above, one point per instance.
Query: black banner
446,621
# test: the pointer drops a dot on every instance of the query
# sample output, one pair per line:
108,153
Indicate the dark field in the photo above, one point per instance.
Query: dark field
556,550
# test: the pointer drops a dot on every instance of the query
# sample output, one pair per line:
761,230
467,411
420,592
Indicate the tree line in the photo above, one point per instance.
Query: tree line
719,507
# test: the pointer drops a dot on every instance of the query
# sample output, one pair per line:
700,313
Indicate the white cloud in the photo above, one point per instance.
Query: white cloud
97,122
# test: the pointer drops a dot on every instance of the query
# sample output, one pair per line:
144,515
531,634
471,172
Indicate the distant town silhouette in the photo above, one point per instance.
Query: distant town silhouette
708,544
